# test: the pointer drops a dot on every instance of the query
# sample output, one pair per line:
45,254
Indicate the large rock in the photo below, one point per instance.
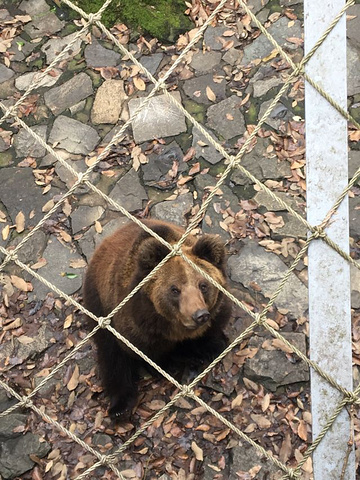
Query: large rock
24,81
159,118
265,79
108,103
204,62
155,172
213,37
279,114
55,45
73,136
174,211
17,187
16,454
26,145
245,457
98,56
281,32
129,192
253,265
84,216
23,351
5,73
226,118
261,165
58,270
272,367
9,424
44,22
151,62
91,239
353,69
205,149
197,89
355,287
69,93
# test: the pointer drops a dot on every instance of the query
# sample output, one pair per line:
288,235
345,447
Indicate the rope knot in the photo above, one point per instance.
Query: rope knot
233,161
83,177
292,474
259,319
299,70
187,391
93,17
352,398
318,232
12,256
104,322
26,402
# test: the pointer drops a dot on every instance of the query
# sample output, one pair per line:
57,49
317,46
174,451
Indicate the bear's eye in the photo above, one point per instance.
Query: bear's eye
174,290
204,287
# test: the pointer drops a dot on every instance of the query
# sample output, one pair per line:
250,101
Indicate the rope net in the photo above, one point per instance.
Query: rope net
231,164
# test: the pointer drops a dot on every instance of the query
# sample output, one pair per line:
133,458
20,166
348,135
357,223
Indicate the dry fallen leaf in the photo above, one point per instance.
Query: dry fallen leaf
302,430
198,451
78,263
237,401
39,264
5,232
139,83
21,284
20,222
74,380
68,321
210,94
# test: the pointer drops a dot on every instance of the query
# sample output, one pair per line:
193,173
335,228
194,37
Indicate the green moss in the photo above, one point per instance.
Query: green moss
251,115
163,19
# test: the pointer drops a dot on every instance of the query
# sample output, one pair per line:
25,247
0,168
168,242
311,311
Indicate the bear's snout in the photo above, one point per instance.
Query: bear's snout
201,317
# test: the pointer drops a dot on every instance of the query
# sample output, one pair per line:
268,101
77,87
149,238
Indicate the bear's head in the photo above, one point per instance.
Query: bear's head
180,294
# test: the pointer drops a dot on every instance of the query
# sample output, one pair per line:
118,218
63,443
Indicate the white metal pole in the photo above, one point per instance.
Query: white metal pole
329,274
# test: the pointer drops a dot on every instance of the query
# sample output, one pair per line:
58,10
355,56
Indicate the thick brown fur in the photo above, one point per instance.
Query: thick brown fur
176,309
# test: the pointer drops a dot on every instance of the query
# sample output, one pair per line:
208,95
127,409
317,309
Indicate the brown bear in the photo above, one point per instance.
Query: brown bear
177,310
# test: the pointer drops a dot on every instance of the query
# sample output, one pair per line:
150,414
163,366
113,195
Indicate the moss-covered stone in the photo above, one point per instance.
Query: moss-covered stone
164,19
355,113
74,65
6,159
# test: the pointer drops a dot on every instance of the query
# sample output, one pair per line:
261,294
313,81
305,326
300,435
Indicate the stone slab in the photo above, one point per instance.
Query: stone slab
129,192
159,118
26,145
226,118
255,264
98,56
58,257
108,103
281,30
174,211
55,45
73,136
195,88
69,93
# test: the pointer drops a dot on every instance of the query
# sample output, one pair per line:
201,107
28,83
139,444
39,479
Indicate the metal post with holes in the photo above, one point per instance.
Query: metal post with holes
329,274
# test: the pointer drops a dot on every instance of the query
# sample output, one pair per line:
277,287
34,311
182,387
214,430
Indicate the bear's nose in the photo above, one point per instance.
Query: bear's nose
201,316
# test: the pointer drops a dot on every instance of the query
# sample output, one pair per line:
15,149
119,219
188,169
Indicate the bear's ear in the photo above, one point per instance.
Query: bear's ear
150,253
211,249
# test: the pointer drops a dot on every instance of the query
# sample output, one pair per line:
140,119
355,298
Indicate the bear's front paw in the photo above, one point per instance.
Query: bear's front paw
211,347
121,408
